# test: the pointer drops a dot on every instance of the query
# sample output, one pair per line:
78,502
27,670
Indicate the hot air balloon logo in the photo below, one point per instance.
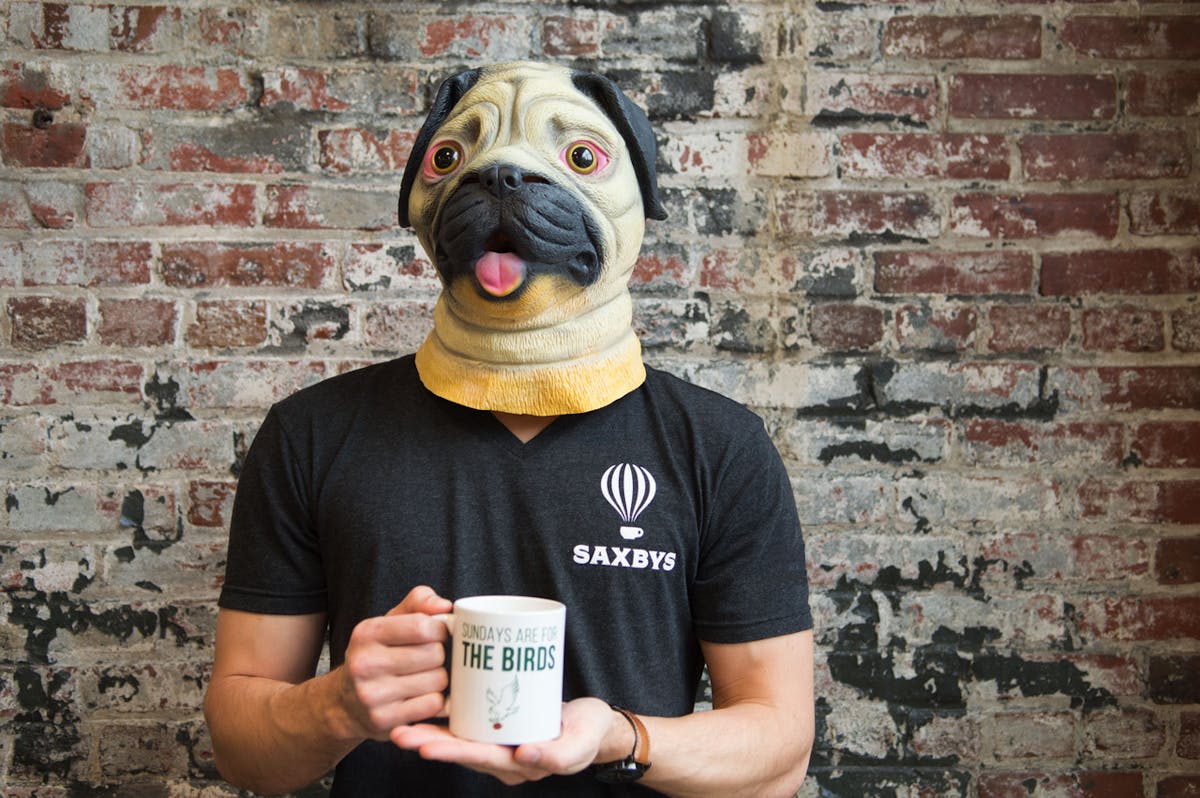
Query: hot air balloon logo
629,489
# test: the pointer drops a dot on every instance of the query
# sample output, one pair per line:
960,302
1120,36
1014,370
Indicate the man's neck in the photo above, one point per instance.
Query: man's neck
524,427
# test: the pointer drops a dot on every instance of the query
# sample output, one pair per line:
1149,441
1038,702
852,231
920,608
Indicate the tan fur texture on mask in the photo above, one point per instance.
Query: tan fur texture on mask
535,257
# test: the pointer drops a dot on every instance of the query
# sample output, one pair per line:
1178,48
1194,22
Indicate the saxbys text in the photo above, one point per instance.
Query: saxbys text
620,557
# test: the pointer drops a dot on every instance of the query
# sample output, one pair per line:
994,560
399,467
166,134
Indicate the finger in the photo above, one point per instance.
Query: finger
416,735
422,599
385,691
436,743
400,630
388,717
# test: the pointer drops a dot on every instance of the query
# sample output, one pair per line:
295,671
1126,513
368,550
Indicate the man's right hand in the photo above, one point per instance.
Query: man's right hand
395,667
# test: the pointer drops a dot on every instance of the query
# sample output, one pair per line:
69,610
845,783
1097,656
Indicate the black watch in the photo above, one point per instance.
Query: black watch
632,767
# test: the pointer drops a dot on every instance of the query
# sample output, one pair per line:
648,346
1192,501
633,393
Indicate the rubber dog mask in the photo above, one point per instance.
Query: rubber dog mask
529,186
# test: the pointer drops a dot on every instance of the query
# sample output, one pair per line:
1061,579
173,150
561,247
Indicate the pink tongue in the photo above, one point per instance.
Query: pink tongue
499,272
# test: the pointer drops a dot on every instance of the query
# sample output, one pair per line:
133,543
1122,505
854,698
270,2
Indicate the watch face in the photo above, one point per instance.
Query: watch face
620,772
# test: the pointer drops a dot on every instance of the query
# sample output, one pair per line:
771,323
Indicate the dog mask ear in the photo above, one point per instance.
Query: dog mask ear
634,128
449,93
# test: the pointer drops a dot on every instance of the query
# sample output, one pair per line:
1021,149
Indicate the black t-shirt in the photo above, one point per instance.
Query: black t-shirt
660,520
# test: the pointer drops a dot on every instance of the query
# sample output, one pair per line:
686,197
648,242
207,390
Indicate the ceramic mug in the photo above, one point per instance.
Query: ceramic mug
506,668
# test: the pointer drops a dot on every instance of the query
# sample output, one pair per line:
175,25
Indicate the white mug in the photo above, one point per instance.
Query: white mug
506,668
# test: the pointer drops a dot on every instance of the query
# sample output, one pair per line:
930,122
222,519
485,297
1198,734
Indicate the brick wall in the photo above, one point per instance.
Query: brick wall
947,249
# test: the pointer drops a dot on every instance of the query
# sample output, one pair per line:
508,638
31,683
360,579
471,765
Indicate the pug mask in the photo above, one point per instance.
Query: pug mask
529,186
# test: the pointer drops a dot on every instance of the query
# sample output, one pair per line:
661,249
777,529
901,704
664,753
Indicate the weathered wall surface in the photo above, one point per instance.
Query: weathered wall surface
947,249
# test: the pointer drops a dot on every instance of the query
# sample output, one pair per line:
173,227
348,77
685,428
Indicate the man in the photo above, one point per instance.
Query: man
524,449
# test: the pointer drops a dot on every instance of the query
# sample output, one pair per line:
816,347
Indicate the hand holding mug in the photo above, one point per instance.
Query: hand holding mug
394,672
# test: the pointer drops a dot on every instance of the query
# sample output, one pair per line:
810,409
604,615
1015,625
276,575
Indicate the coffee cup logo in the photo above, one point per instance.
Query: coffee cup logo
629,489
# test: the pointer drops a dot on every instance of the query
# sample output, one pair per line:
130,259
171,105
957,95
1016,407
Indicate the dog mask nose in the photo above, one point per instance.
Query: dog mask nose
501,179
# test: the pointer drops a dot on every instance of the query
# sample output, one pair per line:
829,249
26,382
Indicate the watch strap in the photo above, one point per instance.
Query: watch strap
632,767
641,738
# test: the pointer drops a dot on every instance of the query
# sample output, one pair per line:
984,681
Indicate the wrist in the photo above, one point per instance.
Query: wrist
334,707
634,764
618,739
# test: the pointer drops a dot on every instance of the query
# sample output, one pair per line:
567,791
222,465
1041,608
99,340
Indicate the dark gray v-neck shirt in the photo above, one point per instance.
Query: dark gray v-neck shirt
661,520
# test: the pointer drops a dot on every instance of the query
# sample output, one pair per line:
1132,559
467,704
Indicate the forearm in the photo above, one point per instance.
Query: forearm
273,737
740,750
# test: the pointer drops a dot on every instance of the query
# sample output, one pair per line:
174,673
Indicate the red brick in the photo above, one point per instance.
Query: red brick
72,383
1167,444
1187,786
1028,328
1137,271
223,28
1185,329
1106,156
1105,558
1189,736
1165,212
993,37
1142,36
1142,501
224,324
177,88
58,146
322,208
959,156
721,269
1172,679
283,264
854,96
846,327
40,322
1043,96
87,263
466,35
55,32
851,213
171,204
1123,329
1127,733
302,87
1177,562
669,268
398,326
950,329
1034,215
137,322
379,266
1143,388
1167,93
1015,443
258,147
140,29
53,204
355,150
1139,618
571,36
210,502
1026,735
1101,784
25,86
953,273
14,207
10,264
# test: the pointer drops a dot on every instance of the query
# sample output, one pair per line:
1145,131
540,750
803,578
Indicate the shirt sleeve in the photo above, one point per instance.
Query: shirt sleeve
751,582
274,562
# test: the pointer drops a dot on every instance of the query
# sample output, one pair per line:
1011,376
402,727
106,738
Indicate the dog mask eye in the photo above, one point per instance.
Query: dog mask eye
441,159
584,158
